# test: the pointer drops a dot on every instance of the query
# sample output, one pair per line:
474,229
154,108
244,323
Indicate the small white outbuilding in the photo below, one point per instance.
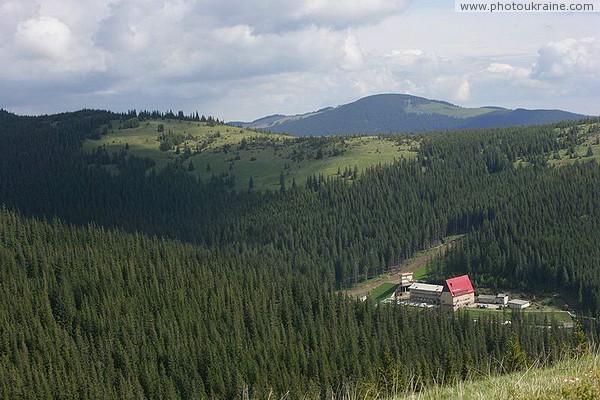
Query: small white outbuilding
518,304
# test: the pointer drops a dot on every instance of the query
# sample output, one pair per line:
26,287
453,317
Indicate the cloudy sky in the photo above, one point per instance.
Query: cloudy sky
243,59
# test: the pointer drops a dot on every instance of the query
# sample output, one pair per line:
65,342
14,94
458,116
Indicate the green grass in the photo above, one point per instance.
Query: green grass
416,264
577,378
539,316
264,159
450,111
579,156
420,273
383,291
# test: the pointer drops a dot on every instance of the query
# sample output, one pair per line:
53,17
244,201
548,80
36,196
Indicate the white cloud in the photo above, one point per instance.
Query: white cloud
281,16
48,41
561,70
353,57
45,37
569,58
505,75
182,41
500,68
464,91
343,13
13,12
243,59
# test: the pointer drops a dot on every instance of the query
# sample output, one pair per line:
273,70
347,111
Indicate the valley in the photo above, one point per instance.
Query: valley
309,199
128,272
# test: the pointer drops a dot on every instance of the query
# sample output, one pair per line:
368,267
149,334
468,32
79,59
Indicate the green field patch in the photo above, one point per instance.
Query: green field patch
541,317
587,138
449,110
580,155
420,273
416,264
383,291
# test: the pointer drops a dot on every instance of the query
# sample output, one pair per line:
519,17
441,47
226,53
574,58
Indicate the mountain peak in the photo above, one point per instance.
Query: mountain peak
394,112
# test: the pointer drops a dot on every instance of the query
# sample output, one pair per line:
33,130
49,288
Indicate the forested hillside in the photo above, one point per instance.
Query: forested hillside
183,287
392,112
460,181
93,313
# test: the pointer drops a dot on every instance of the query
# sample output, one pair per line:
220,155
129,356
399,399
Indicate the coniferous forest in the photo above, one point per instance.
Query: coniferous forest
158,285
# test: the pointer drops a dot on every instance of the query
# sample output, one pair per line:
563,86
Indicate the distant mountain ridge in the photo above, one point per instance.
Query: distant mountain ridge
385,113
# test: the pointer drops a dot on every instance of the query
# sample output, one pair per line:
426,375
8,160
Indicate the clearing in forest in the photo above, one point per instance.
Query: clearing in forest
239,154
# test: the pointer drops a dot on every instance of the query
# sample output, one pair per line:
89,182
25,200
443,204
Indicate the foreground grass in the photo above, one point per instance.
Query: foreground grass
569,379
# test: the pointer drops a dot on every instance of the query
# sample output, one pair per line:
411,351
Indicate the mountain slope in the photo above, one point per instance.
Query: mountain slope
241,154
386,113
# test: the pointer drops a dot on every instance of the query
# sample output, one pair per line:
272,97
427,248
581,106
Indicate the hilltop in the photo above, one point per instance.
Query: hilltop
390,113
239,154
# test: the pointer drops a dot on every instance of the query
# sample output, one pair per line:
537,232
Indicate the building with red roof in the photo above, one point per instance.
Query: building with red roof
458,292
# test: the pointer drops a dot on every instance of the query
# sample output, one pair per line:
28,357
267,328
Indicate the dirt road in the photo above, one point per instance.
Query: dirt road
411,265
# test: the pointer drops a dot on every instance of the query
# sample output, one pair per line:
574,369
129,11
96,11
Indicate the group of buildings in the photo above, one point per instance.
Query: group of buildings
455,293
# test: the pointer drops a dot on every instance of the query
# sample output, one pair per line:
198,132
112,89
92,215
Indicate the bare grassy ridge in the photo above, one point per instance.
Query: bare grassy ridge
244,153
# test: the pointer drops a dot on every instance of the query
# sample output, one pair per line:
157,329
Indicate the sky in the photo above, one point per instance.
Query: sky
244,59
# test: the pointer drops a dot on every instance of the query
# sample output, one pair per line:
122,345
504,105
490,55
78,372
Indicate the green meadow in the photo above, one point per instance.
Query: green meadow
383,291
228,151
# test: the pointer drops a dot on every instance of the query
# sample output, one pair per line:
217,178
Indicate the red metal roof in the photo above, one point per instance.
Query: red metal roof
460,285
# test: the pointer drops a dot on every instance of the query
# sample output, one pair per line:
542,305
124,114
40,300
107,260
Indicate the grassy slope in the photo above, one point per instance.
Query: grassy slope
448,110
540,316
569,379
590,139
590,134
266,157
383,291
